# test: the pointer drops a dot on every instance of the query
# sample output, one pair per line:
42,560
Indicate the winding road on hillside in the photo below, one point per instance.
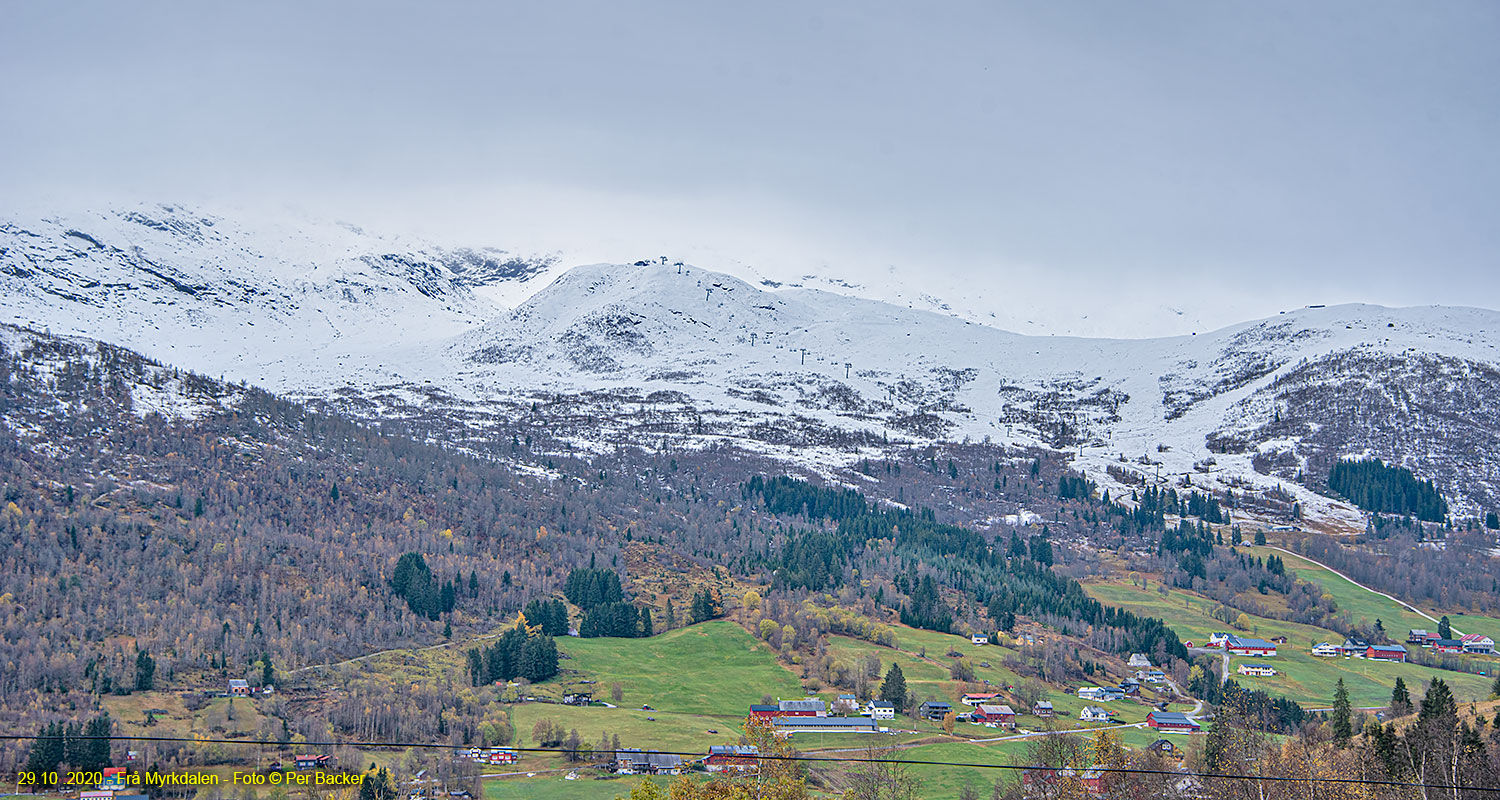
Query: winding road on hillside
1397,601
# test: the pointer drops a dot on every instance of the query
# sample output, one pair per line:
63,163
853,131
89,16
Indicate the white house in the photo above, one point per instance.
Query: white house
1093,714
1090,692
979,638
1258,670
879,709
1326,650
1139,660
1477,643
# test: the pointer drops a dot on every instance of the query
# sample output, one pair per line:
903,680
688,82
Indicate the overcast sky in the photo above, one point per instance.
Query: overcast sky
1076,157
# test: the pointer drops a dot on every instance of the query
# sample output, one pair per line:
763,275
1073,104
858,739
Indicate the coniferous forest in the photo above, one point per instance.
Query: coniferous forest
1376,486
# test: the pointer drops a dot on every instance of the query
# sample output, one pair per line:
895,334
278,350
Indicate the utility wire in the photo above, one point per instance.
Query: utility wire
804,758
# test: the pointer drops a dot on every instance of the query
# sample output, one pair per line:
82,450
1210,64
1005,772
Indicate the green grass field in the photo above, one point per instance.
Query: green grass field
713,668
1365,607
554,786
1304,678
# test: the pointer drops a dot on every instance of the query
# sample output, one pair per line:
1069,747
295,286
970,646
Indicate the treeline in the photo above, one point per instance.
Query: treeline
590,587
1346,755
1032,589
412,581
1387,489
926,609
1264,712
60,743
706,605
1461,576
551,616
518,653
1008,581
623,620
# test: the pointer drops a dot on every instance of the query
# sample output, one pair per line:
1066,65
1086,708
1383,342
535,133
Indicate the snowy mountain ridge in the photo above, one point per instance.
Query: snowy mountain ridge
637,354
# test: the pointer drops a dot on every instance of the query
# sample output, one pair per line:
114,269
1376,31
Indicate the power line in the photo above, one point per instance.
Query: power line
764,757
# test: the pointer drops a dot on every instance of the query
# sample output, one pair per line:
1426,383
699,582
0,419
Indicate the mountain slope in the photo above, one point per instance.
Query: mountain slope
608,355
270,300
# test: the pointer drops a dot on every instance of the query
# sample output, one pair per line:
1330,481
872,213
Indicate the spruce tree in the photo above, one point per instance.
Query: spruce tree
1343,729
1445,630
893,688
145,672
1400,699
47,750
1438,701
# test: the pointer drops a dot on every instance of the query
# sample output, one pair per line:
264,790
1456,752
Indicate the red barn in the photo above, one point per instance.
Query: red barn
1001,715
1171,722
732,757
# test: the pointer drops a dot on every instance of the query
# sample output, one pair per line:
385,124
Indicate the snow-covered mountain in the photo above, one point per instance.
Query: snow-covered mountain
284,297
633,354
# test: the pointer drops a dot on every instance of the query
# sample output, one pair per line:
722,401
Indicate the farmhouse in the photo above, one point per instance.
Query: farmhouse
1447,645
578,698
978,698
765,712
934,709
1355,647
1416,636
1049,782
1171,722
1218,639
239,688
1093,714
1250,647
1164,747
501,755
1139,660
732,758
846,704
1326,650
493,755
1478,643
879,709
1090,692
1386,652
1154,676
1001,715
1256,669
1130,686
635,762
979,638
312,761
824,725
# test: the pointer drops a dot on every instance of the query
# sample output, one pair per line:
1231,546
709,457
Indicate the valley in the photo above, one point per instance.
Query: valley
370,475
